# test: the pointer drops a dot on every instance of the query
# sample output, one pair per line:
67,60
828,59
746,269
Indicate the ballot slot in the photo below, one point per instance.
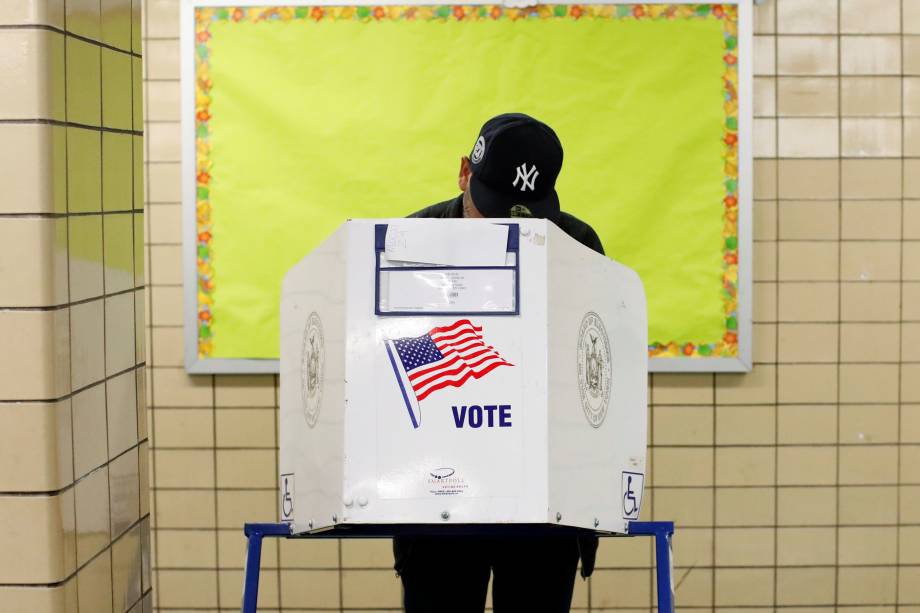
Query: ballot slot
405,288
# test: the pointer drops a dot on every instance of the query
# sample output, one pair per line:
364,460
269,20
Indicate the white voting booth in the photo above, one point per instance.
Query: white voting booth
461,371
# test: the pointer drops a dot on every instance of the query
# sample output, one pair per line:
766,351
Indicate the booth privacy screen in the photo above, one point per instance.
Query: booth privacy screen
305,116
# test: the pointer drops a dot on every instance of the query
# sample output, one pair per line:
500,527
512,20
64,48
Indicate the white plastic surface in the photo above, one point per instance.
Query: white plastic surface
551,422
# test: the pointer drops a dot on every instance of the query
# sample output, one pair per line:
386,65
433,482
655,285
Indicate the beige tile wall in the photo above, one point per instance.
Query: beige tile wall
74,497
796,486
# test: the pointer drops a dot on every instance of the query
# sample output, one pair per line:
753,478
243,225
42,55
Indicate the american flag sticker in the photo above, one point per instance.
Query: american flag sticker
446,356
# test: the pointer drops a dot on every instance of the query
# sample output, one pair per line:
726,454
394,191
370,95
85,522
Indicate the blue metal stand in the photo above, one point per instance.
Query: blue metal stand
661,530
255,532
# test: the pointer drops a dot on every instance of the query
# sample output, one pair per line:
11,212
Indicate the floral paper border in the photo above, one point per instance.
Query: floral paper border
727,14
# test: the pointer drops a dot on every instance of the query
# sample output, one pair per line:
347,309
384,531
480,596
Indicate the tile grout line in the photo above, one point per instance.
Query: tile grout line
650,444
53,216
714,517
71,486
839,47
139,411
73,442
276,383
69,395
339,574
68,124
105,343
67,34
68,304
215,488
776,327
75,575
897,496
147,263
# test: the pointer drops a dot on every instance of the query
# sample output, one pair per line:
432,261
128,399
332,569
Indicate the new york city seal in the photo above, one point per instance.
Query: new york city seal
595,368
311,368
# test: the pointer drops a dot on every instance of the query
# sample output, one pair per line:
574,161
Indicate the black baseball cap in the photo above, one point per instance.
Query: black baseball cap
515,162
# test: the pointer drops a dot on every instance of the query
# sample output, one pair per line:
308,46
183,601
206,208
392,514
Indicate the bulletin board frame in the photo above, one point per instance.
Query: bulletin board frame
662,358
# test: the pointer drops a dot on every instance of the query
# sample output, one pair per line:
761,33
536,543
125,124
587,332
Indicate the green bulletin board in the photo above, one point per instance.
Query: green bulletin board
299,117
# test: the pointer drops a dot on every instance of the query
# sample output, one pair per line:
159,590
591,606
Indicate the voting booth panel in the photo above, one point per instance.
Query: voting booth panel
598,377
313,375
463,372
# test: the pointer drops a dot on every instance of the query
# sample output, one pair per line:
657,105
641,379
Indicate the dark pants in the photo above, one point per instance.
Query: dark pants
450,574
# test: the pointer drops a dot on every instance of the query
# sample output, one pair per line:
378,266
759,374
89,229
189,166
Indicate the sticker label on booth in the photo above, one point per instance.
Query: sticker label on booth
287,497
449,413
631,490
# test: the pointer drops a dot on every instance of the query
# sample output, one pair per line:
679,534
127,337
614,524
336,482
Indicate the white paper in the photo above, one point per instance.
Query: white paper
450,290
454,242
386,263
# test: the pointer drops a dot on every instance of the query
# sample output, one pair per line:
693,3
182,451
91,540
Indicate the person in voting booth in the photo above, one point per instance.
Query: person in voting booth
511,172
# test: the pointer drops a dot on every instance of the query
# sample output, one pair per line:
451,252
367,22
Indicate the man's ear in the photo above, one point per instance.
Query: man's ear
463,179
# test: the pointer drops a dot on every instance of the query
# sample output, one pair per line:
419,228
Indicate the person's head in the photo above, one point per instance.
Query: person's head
512,170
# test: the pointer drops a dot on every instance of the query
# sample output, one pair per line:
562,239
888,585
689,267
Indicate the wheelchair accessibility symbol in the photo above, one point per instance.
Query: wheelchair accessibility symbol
287,497
631,489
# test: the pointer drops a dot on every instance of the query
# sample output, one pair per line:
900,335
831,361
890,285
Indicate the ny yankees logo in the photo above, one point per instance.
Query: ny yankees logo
527,177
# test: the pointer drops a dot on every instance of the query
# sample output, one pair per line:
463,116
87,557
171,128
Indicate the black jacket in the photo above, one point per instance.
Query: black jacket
584,234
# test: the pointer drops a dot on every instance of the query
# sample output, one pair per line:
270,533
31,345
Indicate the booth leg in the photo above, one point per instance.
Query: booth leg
662,531
254,534
253,563
663,572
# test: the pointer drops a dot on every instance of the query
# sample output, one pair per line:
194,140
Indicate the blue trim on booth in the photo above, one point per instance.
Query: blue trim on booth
513,245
